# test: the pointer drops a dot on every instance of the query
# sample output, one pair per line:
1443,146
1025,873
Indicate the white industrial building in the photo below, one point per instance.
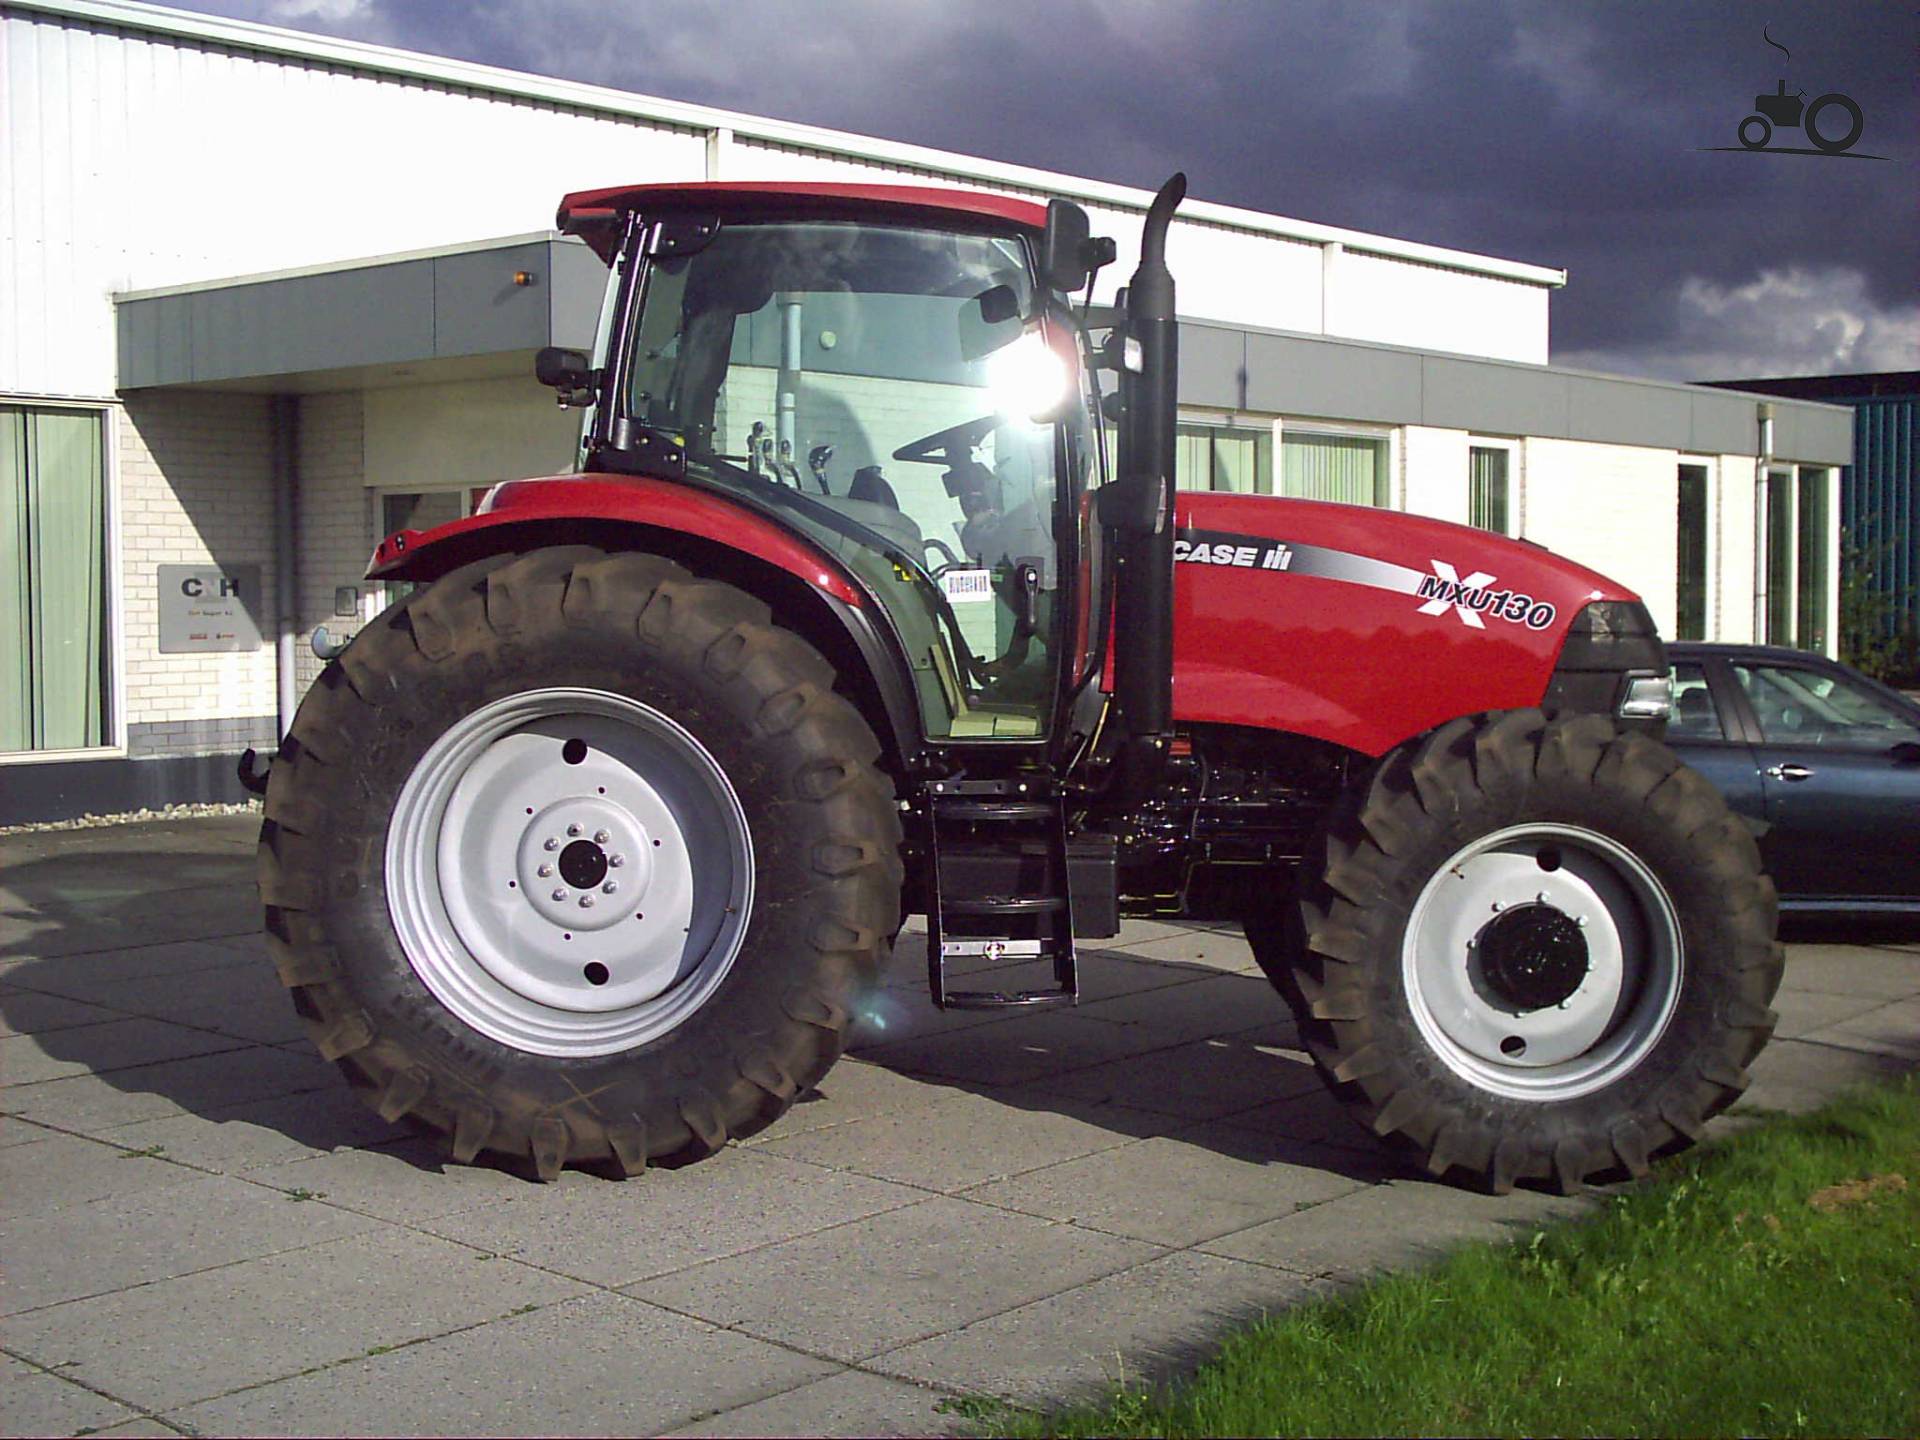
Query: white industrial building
265,296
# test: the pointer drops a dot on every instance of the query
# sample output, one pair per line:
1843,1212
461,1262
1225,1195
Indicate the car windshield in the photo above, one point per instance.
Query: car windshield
878,384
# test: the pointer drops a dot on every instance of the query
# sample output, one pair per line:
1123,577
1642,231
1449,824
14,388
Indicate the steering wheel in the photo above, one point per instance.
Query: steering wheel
950,447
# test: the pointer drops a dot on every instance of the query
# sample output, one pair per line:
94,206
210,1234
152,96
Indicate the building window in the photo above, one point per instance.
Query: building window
1779,557
1487,487
1812,571
1351,469
421,510
54,663
1223,457
1691,555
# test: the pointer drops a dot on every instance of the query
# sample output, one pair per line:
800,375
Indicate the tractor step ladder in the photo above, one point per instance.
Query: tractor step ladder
1023,836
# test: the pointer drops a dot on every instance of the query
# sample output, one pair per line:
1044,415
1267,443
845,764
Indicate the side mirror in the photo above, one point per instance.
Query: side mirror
1907,752
562,369
1064,255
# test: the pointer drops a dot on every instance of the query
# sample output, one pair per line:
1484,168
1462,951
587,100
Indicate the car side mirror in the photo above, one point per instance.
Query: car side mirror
1907,752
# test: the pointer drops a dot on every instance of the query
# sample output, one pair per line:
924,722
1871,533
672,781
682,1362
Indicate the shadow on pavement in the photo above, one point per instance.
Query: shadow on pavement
132,954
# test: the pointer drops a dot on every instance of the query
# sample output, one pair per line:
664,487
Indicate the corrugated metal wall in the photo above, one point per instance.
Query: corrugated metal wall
1880,497
135,160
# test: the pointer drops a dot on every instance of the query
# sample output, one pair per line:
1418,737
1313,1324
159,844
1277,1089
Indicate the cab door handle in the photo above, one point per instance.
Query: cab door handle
1789,772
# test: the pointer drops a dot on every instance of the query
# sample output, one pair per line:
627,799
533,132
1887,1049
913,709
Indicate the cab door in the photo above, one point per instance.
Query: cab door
1839,769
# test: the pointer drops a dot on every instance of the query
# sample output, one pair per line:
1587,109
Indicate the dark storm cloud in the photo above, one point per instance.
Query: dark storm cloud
1568,136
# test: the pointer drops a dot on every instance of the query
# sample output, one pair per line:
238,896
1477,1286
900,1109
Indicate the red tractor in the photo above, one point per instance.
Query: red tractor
585,851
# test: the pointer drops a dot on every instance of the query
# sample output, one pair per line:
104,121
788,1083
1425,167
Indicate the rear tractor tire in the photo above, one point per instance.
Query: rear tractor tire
578,859
1537,950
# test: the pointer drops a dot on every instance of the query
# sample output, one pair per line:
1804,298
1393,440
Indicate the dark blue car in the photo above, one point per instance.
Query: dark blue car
1823,762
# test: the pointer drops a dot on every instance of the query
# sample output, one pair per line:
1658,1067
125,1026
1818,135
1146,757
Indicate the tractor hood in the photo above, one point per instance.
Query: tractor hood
1359,626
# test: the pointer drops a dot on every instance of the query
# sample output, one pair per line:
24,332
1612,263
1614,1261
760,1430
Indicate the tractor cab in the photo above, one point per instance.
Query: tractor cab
898,383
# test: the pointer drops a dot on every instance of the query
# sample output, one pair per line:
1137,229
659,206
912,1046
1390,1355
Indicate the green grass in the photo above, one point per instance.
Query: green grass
1738,1293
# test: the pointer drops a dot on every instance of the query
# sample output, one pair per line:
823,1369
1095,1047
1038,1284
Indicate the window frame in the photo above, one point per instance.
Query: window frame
1710,541
1510,445
108,413
1391,486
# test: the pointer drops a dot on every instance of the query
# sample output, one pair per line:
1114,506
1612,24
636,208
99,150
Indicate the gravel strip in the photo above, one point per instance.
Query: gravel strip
132,817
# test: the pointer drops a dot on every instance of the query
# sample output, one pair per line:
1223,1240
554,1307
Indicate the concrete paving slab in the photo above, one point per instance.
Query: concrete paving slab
234,997
408,1181
1148,1323
1804,1011
886,1281
29,1012
1241,1005
141,1429
1223,948
37,1402
235,1139
73,1253
613,1233
96,976
1888,973
93,1103
118,1044
1885,1030
69,1171
1203,1080
856,1089
1017,1051
20,1132
279,1315
1172,1191
964,1141
1390,1226
600,1365
1799,1075
850,1403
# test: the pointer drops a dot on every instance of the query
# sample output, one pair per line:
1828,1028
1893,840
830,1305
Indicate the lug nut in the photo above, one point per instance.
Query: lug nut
586,902
616,861
1498,907
609,887
559,892
601,837
544,871
551,844
573,829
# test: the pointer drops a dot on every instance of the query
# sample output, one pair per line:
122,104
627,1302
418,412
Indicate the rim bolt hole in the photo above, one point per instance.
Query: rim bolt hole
596,973
656,844
513,884
574,751
1513,1046
603,789
1548,858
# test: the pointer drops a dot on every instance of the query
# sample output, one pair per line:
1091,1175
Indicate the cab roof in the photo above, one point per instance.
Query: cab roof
788,197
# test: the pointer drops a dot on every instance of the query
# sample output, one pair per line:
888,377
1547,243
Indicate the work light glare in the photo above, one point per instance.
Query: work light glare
1027,379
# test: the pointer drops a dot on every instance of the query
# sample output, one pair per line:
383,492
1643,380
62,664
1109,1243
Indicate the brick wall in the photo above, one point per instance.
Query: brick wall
335,525
194,489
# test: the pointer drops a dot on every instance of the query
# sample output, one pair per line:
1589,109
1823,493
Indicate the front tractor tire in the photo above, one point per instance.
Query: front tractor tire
579,859
1537,950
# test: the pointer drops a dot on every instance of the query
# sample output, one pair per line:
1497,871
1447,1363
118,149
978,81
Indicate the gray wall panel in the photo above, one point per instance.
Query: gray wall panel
1808,432
579,282
1213,367
1299,375
477,309
1495,399
1608,409
377,314
1723,424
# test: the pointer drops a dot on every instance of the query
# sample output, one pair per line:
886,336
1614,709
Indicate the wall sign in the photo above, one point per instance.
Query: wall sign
209,607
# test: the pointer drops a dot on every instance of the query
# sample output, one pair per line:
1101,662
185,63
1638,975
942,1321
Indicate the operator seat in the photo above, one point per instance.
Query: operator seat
871,501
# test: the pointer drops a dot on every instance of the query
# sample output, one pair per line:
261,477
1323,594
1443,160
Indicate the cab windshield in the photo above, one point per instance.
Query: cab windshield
878,385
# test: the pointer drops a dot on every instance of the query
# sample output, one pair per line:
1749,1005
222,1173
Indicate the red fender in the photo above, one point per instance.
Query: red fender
630,499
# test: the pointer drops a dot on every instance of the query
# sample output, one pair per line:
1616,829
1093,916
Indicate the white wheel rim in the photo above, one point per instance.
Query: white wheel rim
569,872
1612,943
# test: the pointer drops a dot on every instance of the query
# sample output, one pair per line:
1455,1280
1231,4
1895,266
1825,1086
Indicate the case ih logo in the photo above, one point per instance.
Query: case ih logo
1474,596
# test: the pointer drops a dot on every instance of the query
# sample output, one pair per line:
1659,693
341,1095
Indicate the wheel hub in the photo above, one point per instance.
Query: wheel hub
1533,956
569,871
